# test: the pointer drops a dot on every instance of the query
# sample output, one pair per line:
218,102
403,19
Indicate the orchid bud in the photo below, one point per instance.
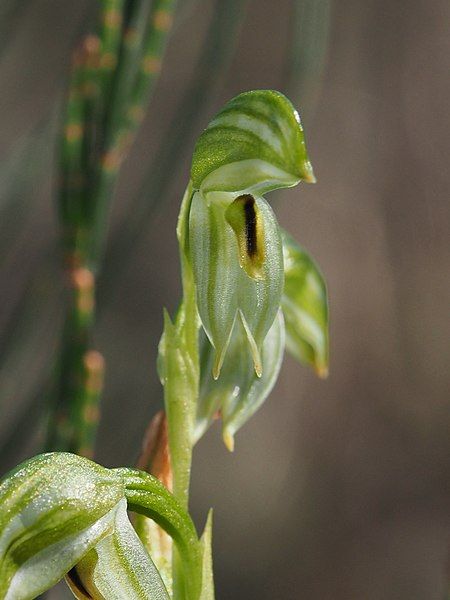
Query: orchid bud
305,307
254,145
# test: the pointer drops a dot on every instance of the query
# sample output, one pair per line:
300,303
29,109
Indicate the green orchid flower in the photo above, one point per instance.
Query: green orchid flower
61,514
254,145
245,281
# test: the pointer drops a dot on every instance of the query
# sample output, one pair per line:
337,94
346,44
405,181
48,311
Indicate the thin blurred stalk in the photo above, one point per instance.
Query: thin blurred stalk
113,74
310,25
214,60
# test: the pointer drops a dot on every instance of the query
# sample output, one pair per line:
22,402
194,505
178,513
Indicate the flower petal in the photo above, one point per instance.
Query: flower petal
216,270
118,567
305,307
239,392
259,301
254,144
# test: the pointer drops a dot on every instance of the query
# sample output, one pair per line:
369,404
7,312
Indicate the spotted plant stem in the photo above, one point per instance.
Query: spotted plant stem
127,110
112,75
87,404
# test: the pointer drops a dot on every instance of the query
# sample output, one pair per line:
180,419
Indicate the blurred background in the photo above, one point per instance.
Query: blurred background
337,489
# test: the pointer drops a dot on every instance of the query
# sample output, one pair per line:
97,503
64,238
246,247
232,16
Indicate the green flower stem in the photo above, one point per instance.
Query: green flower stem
136,74
181,385
180,373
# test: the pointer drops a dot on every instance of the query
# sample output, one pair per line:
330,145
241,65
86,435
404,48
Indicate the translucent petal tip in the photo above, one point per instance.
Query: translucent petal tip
322,371
218,361
257,362
228,440
258,368
308,173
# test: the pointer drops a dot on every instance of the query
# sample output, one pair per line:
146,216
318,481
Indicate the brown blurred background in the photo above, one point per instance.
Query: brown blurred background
338,489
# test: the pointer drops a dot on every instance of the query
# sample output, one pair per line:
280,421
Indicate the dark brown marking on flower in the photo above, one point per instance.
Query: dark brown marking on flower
77,583
250,225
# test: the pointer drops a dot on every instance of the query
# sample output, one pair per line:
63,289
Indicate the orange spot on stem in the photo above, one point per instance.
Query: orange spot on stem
108,61
151,65
94,364
112,18
73,132
162,20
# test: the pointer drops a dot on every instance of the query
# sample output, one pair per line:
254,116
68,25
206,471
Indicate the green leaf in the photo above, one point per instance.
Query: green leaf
305,307
148,496
118,567
53,509
238,393
207,563
255,144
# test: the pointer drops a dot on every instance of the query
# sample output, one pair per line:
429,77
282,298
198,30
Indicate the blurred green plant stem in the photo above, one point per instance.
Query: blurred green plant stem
113,73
